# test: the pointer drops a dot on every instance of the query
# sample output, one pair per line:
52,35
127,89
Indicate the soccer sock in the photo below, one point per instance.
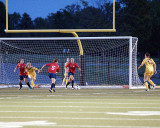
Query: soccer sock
68,84
146,84
63,81
72,83
28,84
52,86
20,84
151,82
66,80
32,83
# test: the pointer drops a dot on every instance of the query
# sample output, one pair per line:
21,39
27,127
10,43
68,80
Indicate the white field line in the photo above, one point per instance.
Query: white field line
77,102
88,96
22,124
50,112
138,100
136,113
104,126
74,118
27,106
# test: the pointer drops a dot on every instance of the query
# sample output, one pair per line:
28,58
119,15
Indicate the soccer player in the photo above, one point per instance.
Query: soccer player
72,67
66,72
22,73
52,70
149,71
31,73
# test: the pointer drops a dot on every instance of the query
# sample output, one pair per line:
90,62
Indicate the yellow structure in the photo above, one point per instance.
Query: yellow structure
59,30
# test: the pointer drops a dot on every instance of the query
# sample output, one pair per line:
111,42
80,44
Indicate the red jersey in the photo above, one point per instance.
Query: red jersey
53,67
22,70
72,67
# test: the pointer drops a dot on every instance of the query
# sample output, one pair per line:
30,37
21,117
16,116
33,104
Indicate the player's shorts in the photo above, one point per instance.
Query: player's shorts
22,77
52,75
150,74
65,74
32,75
70,73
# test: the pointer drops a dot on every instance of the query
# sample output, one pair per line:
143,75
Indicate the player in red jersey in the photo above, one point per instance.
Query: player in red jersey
52,70
22,73
72,67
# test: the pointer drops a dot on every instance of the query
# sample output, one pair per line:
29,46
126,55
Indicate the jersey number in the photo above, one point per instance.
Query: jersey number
150,62
53,67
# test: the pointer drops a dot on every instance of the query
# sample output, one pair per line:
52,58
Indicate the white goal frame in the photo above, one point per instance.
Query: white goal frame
130,38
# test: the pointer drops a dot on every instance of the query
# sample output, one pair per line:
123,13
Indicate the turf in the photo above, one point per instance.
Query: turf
95,108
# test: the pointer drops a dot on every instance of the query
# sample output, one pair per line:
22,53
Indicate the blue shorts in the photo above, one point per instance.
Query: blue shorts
52,75
70,73
22,77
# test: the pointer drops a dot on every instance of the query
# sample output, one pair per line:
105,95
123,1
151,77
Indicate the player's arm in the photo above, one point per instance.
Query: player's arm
155,66
57,70
155,71
78,67
67,65
26,69
141,64
15,69
36,69
44,66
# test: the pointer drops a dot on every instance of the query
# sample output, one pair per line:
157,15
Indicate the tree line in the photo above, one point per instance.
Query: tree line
139,18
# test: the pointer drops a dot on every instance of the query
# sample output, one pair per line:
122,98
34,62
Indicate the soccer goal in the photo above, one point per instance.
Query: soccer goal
106,61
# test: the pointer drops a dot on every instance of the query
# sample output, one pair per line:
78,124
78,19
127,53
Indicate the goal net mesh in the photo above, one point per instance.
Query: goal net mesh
106,61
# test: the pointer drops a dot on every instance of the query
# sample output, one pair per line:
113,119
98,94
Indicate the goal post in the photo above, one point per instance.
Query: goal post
112,29
106,61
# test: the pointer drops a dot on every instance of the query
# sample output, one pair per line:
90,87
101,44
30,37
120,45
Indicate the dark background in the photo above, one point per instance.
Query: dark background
138,18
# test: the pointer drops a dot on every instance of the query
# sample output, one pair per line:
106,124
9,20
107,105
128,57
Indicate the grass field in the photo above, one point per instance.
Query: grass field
87,108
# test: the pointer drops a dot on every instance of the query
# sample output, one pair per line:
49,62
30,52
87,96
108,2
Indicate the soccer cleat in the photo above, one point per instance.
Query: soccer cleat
147,90
50,91
20,88
73,88
149,86
30,88
37,86
154,86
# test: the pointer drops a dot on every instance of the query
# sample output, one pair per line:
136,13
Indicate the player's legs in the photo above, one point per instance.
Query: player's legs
25,80
67,79
145,82
52,76
63,80
72,79
151,82
20,84
53,84
31,78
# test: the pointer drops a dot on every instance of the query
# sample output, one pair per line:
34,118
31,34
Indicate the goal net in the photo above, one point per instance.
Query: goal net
108,61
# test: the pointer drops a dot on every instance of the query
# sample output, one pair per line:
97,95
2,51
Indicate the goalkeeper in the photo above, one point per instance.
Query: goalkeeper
149,71
31,73
66,72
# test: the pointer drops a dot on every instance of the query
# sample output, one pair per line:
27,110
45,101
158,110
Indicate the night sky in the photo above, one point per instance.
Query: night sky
40,8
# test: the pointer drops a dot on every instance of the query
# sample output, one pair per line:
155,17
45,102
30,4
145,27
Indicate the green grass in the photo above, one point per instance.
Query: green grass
82,108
